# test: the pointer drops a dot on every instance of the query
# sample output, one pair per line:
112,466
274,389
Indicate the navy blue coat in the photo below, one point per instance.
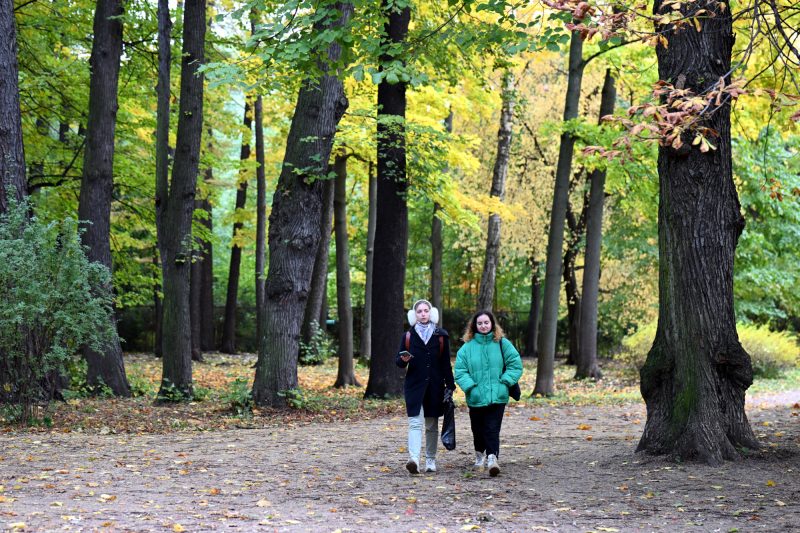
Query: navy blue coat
428,373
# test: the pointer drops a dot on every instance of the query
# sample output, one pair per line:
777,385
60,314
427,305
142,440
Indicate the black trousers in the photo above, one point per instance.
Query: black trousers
485,423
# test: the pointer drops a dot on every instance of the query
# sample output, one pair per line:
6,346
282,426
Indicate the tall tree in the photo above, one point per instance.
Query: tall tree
555,238
391,224
162,152
261,213
576,226
228,343
12,155
346,374
294,231
316,305
587,359
437,244
532,336
97,183
365,349
492,256
177,205
696,373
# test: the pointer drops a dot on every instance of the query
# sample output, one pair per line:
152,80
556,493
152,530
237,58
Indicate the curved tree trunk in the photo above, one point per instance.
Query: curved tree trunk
366,323
587,356
97,184
346,375
228,343
177,217
492,257
391,225
12,154
555,239
261,215
696,374
316,310
294,231
533,315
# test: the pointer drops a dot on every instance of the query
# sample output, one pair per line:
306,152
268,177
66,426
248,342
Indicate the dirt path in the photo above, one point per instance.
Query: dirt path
564,469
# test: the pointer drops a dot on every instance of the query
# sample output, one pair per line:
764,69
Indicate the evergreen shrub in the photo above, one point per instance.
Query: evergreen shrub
54,301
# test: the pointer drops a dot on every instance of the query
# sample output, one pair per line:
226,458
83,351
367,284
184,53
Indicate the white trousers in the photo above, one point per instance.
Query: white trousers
415,428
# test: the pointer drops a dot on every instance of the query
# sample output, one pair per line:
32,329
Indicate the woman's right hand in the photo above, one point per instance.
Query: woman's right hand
405,358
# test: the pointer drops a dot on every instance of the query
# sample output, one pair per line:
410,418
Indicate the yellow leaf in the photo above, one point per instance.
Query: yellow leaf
584,427
263,503
56,504
411,499
534,418
649,495
178,528
17,525
770,483
363,501
469,527
607,529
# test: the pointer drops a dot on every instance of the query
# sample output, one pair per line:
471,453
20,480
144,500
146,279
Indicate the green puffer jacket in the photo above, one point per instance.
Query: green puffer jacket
479,370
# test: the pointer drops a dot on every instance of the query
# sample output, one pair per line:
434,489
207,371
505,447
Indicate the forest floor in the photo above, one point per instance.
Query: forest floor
566,466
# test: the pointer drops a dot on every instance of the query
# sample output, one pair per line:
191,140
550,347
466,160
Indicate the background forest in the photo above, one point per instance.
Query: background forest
482,134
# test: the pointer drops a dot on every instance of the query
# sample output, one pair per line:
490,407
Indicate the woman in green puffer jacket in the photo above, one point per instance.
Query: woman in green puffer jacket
486,366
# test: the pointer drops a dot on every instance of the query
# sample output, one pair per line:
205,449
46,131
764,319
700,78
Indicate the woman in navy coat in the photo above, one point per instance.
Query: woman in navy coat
425,353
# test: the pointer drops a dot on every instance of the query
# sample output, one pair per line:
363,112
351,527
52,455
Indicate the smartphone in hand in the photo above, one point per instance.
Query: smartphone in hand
406,353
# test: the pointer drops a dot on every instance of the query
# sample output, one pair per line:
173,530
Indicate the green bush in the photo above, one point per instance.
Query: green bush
319,348
239,397
771,352
53,302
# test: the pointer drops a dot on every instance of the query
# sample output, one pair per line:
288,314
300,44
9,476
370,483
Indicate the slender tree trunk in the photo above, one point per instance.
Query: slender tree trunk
696,374
205,300
195,288
228,344
346,375
294,231
391,225
576,228
437,245
366,323
316,309
97,184
587,358
12,154
492,257
261,215
177,216
158,337
162,157
533,315
555,238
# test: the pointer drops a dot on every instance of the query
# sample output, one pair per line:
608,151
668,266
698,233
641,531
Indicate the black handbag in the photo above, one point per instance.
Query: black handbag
449,421
513,391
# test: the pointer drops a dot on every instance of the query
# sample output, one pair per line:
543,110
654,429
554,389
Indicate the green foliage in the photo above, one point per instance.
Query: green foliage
239,397
771,352
140,385
79,387
319,348
54,302
170,392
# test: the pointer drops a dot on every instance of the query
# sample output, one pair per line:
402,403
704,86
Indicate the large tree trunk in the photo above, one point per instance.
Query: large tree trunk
261,215
365,350
294,231
696,374
576,228
555,238
316,308
162,156
12,155
346,375
391,225
97,183
492,257
228,343
177,216
532,336
587,356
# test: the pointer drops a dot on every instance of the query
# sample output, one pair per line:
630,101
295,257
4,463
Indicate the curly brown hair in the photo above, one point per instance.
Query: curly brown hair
472,327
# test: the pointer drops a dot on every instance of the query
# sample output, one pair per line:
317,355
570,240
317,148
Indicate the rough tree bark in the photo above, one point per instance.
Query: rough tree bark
365,349
346,375
391,224
294,231
492,256
316,309
228,342
555,238
696,373
12,155
178,208
261,214
97,183
162,156
532,336
587,356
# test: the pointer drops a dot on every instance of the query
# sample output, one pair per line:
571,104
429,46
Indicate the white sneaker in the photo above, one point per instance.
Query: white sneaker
412,466
430,465
491,464
480,460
